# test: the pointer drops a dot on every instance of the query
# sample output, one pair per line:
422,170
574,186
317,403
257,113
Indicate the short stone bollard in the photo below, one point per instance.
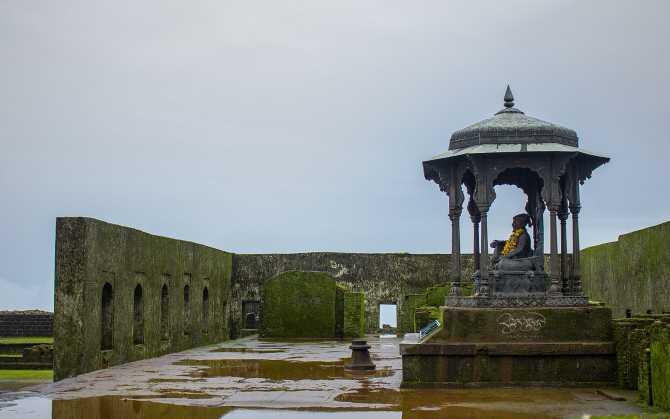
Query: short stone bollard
360,356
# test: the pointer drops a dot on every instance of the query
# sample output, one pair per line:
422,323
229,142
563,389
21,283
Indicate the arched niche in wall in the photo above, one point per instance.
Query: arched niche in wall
187,310
138,316
205,310
107,317
165,313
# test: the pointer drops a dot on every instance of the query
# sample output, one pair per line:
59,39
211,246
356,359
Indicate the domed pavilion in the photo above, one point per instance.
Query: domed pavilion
546,162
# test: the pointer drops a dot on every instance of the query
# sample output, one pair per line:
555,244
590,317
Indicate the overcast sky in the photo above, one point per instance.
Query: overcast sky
289,126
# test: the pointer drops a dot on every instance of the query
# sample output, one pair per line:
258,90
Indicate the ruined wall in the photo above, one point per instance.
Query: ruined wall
354,314
26,323
643,356
383,278
631,273
660,364
299,304
123,295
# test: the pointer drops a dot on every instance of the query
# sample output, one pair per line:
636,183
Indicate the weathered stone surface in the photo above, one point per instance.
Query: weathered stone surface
38,353
384,278
491,347
299,305
660,364
542,324
631,273
26,323
354,314
638,338
632,339
92,253
563,366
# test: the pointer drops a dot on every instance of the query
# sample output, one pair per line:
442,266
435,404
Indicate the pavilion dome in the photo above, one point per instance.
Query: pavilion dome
512,126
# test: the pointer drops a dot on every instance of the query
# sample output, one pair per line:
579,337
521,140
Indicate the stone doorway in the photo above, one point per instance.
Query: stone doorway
250,310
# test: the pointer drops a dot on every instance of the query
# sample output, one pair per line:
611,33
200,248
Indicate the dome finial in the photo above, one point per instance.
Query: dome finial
509,98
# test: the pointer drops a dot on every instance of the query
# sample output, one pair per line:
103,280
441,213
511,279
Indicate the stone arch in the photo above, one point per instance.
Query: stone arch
164,313
205,310
531,182
107,317
187,310
138,316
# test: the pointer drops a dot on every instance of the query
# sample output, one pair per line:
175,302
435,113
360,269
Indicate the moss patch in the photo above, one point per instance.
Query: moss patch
22,340
354,314
407,317
624,272
424,315
299,304
660,365
26,375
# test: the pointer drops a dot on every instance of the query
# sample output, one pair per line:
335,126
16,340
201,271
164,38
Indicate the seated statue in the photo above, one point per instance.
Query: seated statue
515,253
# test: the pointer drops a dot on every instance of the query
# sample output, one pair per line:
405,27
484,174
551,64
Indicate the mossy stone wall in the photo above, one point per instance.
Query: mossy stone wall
354,314
424,315
407,319
643,356
299,305
632,339
91,253
383,278
420,309
631,273
660,364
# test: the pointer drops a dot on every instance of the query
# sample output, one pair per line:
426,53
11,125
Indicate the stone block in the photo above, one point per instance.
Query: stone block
525,324
567,346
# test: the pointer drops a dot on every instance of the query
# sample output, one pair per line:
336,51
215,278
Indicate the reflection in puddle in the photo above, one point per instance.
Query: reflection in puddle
248,350
110,407
307,381
266,413
121,408
277,370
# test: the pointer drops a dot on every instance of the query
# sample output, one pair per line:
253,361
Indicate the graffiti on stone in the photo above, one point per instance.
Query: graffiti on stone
520,324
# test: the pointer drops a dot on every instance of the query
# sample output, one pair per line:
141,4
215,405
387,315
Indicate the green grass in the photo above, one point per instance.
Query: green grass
21,339
26,375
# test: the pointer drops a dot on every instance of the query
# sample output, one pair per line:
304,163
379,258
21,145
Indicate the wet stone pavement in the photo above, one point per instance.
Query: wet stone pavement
252,378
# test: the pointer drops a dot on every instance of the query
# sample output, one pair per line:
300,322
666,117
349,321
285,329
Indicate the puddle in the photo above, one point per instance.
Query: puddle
15,385
307,380
122,408
248,350
413,405
277,370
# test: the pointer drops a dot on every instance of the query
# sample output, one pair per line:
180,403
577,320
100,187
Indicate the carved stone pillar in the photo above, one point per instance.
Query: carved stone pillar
475,240
455,217
483,289
575,207
565,275
555,289
475,217
576,273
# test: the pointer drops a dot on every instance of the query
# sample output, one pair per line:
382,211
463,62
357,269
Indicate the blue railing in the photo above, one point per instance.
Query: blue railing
428,329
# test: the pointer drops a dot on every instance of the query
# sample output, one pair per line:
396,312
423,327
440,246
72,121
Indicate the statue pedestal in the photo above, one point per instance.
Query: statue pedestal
485,346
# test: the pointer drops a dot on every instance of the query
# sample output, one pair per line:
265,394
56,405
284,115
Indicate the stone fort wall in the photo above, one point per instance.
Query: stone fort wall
26,323
385,278
123,295
630,273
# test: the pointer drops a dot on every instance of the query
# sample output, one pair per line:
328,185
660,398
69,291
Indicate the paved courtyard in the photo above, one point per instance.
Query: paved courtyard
252,378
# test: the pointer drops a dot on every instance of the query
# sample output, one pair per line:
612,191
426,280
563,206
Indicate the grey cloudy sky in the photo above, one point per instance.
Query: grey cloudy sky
286,126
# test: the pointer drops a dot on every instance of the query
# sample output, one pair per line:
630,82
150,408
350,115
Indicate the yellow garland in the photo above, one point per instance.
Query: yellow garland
513,240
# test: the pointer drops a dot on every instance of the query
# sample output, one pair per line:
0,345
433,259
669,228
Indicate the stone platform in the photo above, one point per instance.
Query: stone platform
548,346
